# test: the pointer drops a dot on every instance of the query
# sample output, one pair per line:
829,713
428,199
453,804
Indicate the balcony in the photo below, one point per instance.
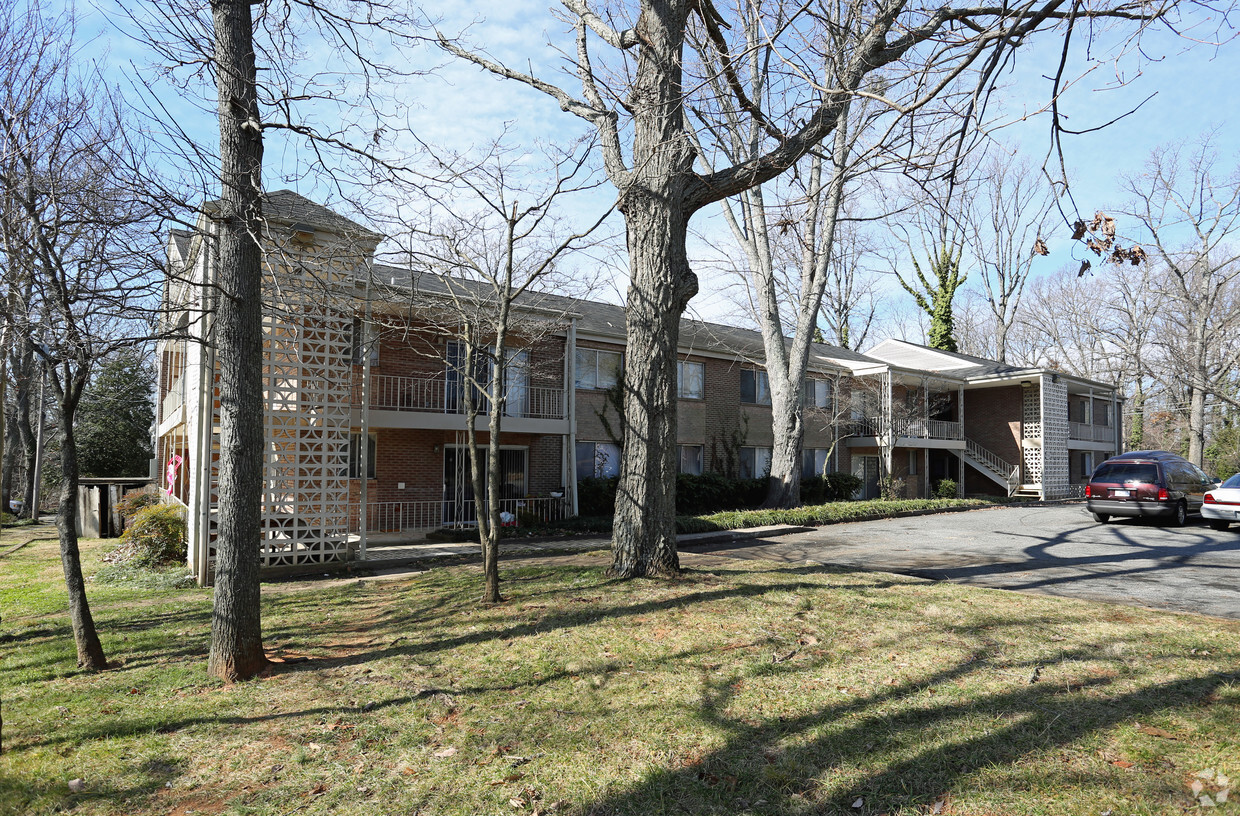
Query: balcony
1085,432
905,428
172,400
439,396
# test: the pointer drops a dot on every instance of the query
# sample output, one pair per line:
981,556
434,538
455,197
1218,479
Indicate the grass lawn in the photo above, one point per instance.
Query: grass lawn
743,688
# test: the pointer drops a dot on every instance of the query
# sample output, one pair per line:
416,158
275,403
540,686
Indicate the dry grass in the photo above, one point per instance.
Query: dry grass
743,688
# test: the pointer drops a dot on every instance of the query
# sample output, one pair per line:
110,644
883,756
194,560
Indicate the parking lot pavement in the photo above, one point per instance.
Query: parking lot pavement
1056,550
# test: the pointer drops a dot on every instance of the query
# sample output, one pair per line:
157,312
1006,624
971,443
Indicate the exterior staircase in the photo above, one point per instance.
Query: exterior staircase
1001,472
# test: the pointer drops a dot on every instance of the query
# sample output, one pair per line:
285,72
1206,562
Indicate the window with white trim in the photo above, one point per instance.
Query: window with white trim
597,459
755,462
690,379
690,459
813,462
816,394
913,456
597,369
755,387
363,342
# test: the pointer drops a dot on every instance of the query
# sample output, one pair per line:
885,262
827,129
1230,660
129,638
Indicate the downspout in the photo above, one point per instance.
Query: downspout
363,453
206,419
963,436
570,405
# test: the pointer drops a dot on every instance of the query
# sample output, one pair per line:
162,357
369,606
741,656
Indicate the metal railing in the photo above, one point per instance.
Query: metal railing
173,399
1000,467
1086,432
929,429
414,516
437,395
863,426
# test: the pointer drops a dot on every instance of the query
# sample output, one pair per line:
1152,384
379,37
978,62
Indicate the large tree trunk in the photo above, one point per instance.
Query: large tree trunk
784,485
661,284
89,649
236,623
24,376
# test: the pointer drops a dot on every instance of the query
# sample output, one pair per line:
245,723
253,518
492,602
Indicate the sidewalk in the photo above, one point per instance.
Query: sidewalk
386,557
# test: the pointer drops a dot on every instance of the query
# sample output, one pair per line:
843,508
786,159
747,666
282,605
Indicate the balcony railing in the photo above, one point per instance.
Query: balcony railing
414,516
908,428
437,395
1085,432
173,399
929,429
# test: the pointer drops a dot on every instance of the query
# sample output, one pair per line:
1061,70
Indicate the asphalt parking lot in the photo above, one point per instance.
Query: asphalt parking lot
1056,550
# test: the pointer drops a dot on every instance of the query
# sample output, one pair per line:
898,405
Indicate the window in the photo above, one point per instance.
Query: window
1102,414
813,462
816,394
597,369
1087,465
755,463
690,457
597,459
362,341
755,388
912,462
690,378
355,448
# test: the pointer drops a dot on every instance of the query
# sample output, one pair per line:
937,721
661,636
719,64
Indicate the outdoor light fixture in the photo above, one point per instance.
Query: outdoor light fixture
1026,384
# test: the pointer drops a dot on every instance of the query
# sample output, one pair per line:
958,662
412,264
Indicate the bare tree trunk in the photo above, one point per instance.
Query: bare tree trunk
661,283
787,429
90,654
236,623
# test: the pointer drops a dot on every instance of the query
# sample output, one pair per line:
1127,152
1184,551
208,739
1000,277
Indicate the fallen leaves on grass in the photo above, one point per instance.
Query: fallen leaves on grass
444,752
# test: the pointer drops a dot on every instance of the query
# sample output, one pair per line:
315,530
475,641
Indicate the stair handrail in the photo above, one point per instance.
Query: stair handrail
991,460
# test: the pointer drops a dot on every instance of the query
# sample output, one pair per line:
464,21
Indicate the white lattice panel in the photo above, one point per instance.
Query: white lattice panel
1031,428
1055,475
307,381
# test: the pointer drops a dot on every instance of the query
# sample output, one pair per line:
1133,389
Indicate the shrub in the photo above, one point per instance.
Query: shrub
597,496
154,538
133,502
841,486
945,489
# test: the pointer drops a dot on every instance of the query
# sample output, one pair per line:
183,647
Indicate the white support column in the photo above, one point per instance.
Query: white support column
570,408
363,453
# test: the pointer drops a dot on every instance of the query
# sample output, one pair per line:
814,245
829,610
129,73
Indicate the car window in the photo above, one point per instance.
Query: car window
1201,475
1125,472
1232,481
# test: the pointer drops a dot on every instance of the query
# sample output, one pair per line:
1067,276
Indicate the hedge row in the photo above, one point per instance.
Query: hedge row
710,492
807,516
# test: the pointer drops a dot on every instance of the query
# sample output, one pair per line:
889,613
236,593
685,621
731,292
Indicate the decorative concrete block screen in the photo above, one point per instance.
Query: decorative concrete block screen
307,377
1031,428
1055,475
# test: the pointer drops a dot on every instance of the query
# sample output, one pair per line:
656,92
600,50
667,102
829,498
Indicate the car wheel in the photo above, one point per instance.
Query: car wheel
1218,524
1181,515
1101,518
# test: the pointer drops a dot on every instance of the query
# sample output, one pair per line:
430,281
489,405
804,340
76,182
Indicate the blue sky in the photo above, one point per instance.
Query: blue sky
1193,90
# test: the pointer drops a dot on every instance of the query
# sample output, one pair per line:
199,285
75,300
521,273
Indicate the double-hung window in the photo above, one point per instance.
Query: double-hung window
597,369
816,394
690,459
597,459
755,388
690,379
755,463
813,462
363,340
355,455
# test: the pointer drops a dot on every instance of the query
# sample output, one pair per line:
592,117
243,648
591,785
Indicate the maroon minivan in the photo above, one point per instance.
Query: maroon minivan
1158,484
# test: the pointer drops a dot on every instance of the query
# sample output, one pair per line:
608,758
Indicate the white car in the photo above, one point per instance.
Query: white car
1222,504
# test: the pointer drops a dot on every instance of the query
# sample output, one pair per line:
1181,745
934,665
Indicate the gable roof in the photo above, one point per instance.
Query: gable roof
606,321
289,208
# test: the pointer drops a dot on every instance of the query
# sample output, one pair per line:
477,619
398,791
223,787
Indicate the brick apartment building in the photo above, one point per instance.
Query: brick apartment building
364,402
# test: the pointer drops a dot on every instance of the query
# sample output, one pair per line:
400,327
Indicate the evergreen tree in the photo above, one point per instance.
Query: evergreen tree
114,421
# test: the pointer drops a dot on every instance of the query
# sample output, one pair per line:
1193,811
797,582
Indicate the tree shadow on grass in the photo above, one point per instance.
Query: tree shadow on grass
892,762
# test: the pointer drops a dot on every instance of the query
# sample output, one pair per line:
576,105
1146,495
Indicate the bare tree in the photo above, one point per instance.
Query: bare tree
485,250
76,241
1004,223
1189,209
230,46
921,50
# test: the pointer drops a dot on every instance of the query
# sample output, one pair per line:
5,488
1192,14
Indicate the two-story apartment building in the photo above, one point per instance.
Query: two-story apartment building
365,391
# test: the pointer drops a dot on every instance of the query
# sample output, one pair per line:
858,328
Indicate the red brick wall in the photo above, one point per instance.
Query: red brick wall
992,418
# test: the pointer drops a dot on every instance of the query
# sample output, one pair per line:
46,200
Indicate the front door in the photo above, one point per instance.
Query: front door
458,489
865,468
